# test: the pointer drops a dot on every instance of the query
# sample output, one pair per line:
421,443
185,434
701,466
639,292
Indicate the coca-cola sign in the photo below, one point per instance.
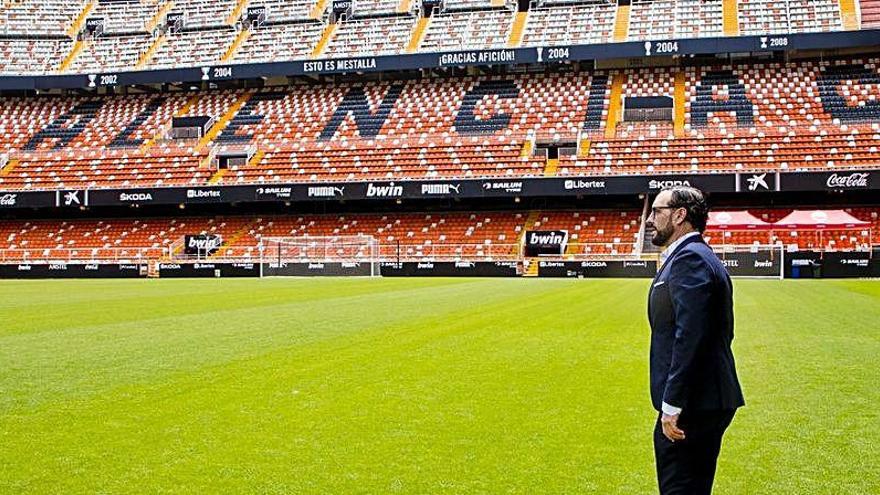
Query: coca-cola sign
8,200
848,181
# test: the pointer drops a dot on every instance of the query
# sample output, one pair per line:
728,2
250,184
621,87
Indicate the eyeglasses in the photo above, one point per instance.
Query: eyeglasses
655,210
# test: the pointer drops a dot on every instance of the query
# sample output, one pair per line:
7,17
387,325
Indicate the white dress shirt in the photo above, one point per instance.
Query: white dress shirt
672,247
666,408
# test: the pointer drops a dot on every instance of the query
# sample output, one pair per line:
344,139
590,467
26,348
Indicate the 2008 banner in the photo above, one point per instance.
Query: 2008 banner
529,55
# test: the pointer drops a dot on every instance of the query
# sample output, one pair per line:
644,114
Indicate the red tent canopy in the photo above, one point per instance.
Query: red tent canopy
735,220
820,219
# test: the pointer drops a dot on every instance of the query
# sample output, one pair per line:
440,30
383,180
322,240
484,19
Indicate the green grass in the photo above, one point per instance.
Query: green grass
344,386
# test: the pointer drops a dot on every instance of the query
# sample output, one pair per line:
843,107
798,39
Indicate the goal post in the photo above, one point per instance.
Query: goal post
334,255
753,261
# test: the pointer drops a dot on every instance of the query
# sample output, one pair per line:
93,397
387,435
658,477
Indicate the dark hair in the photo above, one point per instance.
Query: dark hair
694,201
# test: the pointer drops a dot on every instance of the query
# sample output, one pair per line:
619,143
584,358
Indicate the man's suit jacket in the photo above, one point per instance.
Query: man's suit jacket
690,308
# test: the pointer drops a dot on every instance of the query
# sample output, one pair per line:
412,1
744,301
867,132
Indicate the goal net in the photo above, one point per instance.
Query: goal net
340,253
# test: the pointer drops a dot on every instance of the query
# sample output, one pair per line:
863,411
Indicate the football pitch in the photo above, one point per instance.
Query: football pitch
422,386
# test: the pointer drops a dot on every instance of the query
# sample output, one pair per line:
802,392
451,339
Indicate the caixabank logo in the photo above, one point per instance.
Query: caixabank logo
758,182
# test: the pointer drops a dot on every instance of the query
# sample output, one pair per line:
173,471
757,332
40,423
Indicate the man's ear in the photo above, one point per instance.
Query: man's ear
679,216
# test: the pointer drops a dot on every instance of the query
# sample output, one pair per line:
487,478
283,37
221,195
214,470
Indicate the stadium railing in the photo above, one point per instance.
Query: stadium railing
81,255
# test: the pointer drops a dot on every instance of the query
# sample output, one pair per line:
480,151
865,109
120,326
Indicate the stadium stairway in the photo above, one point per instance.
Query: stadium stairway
730,11
221,124
528,147
75,50
218,176
517,29
584,147
190,103
614,108
241,232
679,104
9,167
870,10
848,15
236,13
147,56
326,36
552,167
528,223
153,23
319,8
621,23
239,40
418,34
80,20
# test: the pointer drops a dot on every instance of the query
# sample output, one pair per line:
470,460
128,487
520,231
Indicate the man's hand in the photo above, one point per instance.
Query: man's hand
670,427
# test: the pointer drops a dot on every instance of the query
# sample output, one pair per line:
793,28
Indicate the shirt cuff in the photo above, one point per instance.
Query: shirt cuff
670,410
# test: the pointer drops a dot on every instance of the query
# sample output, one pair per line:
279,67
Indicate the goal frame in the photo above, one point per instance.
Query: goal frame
320,249
775,250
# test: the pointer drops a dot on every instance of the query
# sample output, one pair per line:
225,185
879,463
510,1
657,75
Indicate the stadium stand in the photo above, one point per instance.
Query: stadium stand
206,13
563,23
475,29
39,17
473,236
377,7
126,16
286,10
595,232
373,36
788,16
408,235
723,116
27,57
856,238
272,42
99,155
212,32
110,53
188,48
161,167
463,236
870,13
116,239
751,117
665,19
869,215
775,117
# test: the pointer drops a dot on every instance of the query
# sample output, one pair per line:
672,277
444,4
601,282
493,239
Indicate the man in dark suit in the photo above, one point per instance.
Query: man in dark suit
694,385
